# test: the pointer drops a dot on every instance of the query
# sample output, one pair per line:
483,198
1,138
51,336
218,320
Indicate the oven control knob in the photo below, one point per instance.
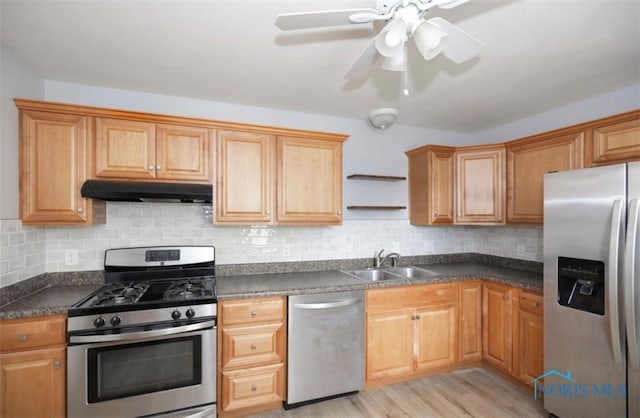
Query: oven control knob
176,314
190,313
99,322
115,320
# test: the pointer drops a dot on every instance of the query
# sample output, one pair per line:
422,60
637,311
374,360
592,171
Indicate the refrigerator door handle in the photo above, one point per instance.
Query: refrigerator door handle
631,281
612,286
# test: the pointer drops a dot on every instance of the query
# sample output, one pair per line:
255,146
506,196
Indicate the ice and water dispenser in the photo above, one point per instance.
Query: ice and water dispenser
581,284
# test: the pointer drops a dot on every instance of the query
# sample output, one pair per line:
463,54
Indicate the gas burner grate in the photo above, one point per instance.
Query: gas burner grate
120,293
186,289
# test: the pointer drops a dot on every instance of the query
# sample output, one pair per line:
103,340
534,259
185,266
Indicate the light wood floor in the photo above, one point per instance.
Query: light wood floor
466,393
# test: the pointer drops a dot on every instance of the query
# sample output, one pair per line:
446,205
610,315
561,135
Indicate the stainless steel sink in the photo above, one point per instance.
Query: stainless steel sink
411,272
374,275
391,273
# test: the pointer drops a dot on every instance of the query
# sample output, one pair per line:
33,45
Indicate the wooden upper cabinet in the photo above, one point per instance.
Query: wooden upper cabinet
527,162
125,149
614,143
309,181
183,153
480,184
431,185
139,150
245,180
54,149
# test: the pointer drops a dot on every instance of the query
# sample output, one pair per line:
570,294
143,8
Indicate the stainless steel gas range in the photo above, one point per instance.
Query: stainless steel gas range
145,343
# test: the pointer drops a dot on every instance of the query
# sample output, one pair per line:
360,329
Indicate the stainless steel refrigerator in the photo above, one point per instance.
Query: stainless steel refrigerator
592,292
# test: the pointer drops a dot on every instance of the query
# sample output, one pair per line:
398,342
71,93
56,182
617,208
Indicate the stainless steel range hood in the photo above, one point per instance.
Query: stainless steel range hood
128,191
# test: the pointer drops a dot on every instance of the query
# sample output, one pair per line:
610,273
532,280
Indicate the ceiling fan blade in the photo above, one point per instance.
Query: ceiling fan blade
363,64
292,21
450,4
460,45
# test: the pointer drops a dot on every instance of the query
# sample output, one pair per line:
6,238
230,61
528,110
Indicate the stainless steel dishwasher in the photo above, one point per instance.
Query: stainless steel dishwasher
326,346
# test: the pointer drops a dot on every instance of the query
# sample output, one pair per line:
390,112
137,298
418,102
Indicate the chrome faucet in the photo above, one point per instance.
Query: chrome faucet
377,262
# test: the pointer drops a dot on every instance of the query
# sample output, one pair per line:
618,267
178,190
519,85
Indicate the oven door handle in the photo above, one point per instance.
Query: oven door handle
128,336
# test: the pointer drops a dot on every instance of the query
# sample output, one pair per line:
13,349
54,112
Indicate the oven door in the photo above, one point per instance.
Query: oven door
142,372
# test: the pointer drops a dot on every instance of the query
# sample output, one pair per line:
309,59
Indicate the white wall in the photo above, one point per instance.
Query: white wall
17,79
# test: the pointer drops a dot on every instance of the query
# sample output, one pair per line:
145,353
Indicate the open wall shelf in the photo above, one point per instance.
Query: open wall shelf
376,207
374,177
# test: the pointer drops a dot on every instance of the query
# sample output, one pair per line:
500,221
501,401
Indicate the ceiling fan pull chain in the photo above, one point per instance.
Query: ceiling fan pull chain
406,88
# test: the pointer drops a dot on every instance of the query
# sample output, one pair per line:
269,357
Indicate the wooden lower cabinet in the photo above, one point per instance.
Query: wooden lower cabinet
497,325
410,331
470,325
529,358
251,355
33,367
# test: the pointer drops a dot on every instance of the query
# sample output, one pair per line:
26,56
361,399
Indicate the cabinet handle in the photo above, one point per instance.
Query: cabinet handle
535,304
80,210
505,296
253,347
57,364
268,212
339,212
23,337
150,168
254,388
158,168
253,314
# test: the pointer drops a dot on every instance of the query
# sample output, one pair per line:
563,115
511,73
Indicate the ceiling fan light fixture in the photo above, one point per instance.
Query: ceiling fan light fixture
398,62
430,39
390,41
383,118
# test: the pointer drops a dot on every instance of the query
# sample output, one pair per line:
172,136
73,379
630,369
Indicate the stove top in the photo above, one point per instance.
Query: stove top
147,278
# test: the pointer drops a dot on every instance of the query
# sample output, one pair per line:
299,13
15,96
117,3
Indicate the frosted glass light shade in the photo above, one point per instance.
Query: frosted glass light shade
398,62
429,39
390,41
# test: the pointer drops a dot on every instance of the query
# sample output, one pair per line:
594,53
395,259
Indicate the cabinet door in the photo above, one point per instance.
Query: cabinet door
470,321
309,181
530,346
389,344
431,185
125,149
497,323
245,167
53,166
183,153
526,166
32,383
480,178
436,342
615,143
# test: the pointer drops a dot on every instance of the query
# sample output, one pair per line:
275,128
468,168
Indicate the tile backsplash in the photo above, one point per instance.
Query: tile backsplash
27,251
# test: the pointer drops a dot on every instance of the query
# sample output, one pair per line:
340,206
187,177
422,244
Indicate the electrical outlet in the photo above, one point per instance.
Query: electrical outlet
71,257
286,250
520,249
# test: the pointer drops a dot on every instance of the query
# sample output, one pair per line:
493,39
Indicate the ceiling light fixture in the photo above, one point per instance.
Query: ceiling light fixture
383,118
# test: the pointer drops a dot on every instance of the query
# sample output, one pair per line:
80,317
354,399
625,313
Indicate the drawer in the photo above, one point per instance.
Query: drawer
411,296
250,311
532,302
18,334
246,346
252,387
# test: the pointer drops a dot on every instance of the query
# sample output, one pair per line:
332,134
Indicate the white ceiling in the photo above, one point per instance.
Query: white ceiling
539,54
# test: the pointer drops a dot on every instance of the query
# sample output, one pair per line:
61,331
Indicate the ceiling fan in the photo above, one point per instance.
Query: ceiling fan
406,19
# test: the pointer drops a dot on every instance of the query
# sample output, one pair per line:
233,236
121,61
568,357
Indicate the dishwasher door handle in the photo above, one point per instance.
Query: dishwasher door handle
327,305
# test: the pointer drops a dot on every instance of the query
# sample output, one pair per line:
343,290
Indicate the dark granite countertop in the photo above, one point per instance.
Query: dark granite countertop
283,284
54,293
51,300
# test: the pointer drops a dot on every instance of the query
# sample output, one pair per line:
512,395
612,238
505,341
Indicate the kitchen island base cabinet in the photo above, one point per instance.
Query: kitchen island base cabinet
33,367
252,355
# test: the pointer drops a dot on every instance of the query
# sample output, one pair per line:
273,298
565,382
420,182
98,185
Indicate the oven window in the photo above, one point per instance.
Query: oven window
134,369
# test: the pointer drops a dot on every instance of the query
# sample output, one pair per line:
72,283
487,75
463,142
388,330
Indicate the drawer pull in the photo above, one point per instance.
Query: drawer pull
535,304
253,314
254,388
253,347
57,364
23,337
